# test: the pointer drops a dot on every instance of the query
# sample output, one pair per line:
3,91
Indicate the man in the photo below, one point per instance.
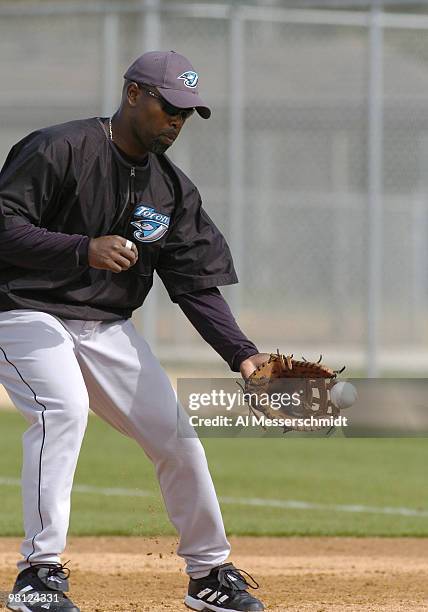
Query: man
89,211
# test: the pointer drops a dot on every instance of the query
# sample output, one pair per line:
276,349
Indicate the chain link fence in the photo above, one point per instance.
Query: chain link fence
314,163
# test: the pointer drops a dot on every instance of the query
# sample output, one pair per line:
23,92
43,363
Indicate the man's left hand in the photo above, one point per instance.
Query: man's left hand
248,366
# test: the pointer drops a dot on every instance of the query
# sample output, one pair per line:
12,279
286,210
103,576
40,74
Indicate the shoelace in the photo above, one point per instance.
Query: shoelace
224,579
55,570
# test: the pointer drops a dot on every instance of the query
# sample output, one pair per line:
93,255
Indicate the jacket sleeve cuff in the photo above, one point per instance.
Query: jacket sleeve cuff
241,356
82,251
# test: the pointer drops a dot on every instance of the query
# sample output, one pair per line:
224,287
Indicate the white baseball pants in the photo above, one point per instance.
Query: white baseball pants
54,370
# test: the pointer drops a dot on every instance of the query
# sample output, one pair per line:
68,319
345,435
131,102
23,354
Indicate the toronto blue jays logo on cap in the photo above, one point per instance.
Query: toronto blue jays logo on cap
190,78
151,225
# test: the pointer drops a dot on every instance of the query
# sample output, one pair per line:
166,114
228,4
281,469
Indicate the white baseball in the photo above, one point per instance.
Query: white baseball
343,395
129,244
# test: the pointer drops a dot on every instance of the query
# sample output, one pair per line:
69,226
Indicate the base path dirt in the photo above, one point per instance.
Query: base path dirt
295,574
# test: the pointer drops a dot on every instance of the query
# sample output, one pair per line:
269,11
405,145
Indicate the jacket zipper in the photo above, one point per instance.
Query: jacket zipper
132,198
132,185
130,201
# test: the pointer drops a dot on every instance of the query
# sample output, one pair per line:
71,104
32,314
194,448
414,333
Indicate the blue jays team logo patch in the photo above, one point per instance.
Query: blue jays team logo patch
190,78
151,225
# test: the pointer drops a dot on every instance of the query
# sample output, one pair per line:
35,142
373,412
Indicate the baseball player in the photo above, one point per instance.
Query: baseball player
89,210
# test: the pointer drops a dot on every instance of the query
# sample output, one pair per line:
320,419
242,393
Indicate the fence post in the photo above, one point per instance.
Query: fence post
236,153
149,313
111,63
340,252
375,188
151,25
419,261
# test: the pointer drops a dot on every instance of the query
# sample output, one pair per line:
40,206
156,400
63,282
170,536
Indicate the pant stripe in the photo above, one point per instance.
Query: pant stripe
41,450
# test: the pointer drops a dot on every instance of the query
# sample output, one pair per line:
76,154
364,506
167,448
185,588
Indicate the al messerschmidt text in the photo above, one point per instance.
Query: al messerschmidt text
253,420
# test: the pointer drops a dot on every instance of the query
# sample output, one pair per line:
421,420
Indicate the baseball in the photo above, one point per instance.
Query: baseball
129,244
343,395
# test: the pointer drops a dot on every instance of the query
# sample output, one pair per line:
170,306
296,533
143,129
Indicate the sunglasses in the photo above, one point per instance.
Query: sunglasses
168,108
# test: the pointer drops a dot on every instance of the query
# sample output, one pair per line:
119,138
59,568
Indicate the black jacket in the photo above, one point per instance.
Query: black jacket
71,179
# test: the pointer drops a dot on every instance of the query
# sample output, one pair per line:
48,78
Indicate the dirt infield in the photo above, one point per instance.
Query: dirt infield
296,574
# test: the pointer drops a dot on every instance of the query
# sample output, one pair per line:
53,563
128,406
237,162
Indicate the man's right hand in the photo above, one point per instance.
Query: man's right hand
110,253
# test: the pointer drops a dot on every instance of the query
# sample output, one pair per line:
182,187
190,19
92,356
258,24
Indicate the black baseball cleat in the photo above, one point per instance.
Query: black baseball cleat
223,590
41,588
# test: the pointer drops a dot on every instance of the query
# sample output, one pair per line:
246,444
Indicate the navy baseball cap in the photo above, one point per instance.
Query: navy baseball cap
173,76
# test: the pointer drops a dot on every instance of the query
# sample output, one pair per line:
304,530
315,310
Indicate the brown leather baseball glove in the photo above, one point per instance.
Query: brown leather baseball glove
283,388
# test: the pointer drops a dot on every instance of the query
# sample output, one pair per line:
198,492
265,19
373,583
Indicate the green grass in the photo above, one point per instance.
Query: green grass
336,471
